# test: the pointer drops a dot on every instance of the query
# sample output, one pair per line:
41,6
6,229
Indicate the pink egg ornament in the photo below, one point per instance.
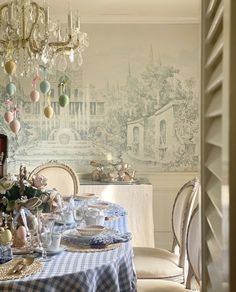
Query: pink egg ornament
15,126
8,116
21,233
34,95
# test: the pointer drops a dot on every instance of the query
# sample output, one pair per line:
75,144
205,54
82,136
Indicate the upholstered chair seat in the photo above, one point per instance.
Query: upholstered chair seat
192,281
152,263
157,263
160,286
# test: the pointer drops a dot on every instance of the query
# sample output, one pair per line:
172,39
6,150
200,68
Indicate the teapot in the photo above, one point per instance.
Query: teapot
94,216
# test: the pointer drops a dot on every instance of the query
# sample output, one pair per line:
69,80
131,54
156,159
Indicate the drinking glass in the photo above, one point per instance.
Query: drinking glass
46,240
79,214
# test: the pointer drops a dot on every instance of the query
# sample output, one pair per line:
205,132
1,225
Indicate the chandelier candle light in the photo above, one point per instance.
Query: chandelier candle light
29,39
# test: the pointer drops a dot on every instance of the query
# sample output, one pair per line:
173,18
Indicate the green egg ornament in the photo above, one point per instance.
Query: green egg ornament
64,100
11,88
10,67
44,86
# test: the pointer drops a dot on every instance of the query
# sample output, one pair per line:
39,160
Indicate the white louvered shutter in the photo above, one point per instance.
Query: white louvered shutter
218,118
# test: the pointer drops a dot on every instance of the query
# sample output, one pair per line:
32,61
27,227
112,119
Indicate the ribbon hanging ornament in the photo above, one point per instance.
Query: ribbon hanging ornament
34,94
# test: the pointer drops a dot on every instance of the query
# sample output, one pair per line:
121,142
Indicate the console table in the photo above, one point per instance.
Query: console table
136,198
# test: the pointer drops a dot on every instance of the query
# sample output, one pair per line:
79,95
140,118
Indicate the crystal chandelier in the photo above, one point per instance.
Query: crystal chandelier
29,38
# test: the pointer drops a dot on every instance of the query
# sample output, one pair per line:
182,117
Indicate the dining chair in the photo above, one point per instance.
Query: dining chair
59,176
158,263
193,247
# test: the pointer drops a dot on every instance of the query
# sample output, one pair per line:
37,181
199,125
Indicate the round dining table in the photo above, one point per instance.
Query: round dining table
94,271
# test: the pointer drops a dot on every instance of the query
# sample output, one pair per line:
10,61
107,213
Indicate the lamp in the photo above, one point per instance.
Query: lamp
28,37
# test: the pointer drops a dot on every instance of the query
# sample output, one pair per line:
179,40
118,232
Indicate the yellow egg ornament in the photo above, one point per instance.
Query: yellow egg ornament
10,67
5,236
48,112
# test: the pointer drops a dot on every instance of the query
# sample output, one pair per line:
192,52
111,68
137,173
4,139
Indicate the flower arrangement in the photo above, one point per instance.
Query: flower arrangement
14,189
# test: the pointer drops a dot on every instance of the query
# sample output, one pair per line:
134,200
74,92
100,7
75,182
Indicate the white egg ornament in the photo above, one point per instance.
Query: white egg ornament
8,116
34,95
15,126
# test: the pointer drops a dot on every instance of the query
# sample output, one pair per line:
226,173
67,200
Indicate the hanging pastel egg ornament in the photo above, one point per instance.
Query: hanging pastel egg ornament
63,100
35,95
11,88
8,116
15,126
10,67
48,112
44,86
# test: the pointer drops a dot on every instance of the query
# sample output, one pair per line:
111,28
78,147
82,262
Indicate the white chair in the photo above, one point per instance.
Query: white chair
157,263
194,259
59,176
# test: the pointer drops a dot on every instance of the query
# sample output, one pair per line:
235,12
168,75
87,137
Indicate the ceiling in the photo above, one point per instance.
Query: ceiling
128,10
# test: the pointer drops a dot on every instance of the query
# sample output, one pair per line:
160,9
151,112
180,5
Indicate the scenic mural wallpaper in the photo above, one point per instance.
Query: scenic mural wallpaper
136,98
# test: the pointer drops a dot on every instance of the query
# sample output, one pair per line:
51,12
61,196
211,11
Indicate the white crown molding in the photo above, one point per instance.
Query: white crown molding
139,20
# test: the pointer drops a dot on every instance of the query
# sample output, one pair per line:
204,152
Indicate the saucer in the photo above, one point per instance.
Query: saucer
51,252
60,222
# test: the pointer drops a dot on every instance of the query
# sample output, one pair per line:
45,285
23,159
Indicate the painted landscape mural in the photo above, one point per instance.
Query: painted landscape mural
135,97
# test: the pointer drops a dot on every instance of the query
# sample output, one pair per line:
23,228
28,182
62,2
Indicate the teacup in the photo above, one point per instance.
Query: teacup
56,241
94,217
68,216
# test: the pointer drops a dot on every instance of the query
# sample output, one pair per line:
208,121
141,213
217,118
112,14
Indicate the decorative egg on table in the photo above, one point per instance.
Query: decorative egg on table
44,86
35,95
11,88
5,236
64,100
20,236
10,67
48,112
15,126
8,116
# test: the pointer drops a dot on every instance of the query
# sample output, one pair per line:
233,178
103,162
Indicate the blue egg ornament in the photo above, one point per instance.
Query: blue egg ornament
11,88
44,86
64,100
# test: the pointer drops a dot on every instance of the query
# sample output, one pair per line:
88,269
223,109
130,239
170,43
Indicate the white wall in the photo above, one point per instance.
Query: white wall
165,188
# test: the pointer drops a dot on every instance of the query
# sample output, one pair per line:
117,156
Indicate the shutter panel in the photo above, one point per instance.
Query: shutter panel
218,146
212,144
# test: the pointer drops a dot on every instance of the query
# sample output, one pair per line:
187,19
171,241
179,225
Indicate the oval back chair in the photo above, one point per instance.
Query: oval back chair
157,263
193,247
59,176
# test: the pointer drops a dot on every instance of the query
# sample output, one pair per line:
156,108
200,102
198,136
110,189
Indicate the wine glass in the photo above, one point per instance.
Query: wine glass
79,213
46,240
47,223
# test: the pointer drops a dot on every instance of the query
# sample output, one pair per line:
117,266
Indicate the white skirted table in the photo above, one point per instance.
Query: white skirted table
136,198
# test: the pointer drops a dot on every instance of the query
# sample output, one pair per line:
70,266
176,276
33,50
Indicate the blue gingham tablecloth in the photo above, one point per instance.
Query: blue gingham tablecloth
104,271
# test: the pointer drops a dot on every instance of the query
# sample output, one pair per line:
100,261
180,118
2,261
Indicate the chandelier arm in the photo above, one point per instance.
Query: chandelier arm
68,48
60,44
4,5
32,43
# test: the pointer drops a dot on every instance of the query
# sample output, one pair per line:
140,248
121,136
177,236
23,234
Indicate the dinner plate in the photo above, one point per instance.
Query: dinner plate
19,251
99,205
91,230
85,196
